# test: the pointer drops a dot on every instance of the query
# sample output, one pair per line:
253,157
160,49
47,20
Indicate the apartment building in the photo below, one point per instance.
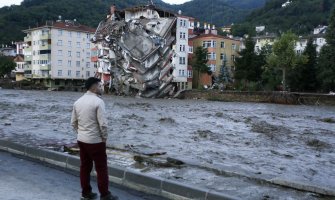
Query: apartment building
58,54
183,71
222,52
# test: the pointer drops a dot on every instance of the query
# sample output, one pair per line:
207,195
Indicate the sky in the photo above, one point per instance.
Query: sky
175,1
11,2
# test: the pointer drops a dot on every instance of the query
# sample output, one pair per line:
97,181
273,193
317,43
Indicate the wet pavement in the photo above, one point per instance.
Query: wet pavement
26,180
289,142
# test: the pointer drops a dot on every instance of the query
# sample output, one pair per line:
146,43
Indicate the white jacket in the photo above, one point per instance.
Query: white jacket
89,119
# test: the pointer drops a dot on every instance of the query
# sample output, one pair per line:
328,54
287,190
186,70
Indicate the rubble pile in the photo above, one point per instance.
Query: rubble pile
138,53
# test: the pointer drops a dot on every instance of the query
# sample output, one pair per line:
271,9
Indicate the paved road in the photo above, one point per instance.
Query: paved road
21,179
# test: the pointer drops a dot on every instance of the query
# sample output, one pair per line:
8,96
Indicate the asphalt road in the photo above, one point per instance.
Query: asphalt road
22,179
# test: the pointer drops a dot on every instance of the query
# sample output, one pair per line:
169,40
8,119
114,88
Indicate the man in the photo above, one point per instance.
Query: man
89,121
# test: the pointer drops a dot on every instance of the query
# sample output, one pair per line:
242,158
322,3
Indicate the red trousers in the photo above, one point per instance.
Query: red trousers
96,153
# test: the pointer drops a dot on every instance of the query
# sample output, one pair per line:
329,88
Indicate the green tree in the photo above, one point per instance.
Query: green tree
199,62
249,65
283,55
326,61
303,76
6,66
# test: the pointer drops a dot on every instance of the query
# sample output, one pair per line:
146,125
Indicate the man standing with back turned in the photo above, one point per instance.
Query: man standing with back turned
89,121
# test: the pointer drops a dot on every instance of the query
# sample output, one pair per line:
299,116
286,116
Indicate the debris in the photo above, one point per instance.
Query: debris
167,120
328,120
318,144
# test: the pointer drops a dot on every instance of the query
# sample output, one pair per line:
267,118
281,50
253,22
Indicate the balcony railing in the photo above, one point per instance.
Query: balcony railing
45,36
44,47
27,38
45,67
27,58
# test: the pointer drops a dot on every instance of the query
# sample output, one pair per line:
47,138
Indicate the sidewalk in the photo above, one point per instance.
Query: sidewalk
25,180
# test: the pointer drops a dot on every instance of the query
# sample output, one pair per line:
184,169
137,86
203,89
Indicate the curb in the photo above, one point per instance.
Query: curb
118,175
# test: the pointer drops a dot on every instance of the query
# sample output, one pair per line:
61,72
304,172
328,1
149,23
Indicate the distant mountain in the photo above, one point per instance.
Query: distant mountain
300,16
90,12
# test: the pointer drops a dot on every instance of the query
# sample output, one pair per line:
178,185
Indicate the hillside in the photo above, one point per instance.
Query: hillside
301,16
90,12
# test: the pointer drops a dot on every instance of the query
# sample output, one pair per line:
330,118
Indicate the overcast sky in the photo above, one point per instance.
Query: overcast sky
176,1
11,2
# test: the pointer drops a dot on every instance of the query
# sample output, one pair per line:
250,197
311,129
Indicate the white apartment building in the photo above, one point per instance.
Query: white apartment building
58,54
182,73
319,40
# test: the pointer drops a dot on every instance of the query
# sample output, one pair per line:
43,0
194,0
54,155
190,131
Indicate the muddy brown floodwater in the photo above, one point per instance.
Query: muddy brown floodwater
291,143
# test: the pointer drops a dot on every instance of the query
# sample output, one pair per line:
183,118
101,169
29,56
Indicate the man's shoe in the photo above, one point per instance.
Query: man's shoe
109,197
90,196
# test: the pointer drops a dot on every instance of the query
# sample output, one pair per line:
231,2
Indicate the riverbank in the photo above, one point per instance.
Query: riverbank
261,97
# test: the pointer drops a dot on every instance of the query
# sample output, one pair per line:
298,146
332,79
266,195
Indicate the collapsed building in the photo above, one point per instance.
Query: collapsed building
135,48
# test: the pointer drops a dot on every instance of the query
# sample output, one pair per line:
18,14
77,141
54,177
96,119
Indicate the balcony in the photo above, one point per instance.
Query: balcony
44,47
27,68
45,36
28,75
37,76
27,49
44,57
27,58
27,38
45,67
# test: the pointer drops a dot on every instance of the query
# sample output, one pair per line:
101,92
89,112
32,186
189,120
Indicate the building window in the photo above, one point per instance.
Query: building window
207,44
182,35
233,46
69,63
88,54
69,53
77,74
189,74
222,56
60,43
78,54
60,62
70,34
88,74
182,48
59,72
69,73
212,67
211,56
60,32
233,58
78,64
70,43
88,45
222,45
60,52
78,34
88,64
190,49
182,60
213,43
78,44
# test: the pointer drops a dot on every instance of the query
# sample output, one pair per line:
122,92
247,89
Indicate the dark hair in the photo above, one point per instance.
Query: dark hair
91,81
